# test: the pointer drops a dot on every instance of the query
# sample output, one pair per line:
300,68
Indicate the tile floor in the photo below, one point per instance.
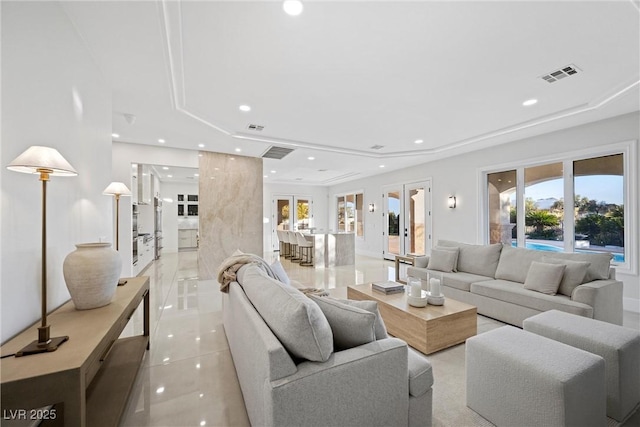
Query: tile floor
188,377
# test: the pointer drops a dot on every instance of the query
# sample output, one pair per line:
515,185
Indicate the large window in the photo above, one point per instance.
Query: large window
572,205
350,213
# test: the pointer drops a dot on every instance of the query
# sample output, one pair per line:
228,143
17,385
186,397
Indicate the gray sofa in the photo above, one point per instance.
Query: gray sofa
294,368
496,279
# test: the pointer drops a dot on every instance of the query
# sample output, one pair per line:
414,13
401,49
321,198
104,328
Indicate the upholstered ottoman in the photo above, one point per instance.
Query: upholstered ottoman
619,346
517,378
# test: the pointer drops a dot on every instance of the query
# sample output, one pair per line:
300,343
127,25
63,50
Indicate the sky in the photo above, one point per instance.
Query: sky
607,188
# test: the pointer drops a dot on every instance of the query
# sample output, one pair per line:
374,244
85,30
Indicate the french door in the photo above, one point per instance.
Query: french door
290,213
407,216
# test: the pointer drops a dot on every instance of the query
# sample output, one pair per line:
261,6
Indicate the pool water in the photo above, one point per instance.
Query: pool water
551,248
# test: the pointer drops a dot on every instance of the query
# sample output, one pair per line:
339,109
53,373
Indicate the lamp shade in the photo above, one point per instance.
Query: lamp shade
117,189
38,159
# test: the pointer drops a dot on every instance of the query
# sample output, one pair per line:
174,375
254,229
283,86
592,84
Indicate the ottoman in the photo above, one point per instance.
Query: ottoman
619,346
517,378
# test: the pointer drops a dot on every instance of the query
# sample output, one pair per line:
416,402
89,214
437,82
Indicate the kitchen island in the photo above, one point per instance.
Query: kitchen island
333,249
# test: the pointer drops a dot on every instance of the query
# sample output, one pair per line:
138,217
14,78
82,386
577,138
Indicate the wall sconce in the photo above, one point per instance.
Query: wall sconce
452,202
372,207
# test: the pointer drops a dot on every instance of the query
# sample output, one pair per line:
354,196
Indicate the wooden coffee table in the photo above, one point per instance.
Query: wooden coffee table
427,329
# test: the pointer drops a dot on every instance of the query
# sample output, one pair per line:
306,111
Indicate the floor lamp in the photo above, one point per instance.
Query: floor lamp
117,189
45,162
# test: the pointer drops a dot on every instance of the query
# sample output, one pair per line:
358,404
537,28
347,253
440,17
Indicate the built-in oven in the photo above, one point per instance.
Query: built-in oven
134,221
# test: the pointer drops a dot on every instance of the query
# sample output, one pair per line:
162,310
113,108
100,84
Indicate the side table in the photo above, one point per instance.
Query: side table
407,259
91,375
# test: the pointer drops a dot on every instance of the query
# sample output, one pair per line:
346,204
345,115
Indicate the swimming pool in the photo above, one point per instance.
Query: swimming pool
551,248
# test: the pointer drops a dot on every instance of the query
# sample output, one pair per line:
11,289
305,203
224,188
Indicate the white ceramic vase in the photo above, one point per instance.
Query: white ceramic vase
91,273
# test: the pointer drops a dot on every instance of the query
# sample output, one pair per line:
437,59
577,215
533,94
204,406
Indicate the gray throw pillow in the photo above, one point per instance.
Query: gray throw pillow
476,259
371,306
574,274
351,326
294,319
278,270
443,260
544,277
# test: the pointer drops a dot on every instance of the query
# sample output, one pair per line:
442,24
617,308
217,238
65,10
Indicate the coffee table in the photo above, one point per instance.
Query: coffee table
426,329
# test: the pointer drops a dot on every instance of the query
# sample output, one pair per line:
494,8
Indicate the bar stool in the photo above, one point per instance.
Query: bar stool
286,247
306,248
293,243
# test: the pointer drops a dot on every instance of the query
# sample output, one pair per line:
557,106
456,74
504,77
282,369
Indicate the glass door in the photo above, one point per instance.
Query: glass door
407,219
290,213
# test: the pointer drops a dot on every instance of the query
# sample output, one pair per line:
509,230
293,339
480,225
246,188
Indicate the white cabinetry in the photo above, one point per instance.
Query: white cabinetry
187,239
134,186
144,185
145,253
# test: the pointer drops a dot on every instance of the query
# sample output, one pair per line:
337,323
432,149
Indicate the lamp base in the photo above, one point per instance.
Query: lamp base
35,347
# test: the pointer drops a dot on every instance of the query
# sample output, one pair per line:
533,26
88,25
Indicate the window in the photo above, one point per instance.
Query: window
527,206
351,213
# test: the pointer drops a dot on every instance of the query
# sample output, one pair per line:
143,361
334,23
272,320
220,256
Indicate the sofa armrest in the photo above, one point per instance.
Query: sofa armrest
605,296
365,385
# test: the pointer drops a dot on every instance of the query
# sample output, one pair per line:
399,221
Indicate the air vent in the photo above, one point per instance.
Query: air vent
256,128
276,152
377,147
567,71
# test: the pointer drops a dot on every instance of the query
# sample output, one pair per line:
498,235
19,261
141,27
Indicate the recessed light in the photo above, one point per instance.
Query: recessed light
381,166
292,7
529,102
115,135
245,108
165,168
161,141
238,150
169,176
159,390
311,158
265,176
196,174
201,145
418,141
273,171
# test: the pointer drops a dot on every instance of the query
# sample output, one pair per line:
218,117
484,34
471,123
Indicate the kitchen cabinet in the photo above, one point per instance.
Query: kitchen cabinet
187,239
144,185
146,253
134,186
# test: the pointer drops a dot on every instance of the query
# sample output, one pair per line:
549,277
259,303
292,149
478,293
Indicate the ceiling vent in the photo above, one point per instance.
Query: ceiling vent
256,128
554,76
276,152
377,147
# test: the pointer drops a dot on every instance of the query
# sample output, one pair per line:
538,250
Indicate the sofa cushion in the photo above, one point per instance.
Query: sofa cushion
372,307
515,262
351,326
476,259
599,263
420,373
297,321
445,260
544,277
574,274
513,292
460,280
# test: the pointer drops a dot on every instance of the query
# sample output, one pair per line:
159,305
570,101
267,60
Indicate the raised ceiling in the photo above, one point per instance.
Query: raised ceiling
344,77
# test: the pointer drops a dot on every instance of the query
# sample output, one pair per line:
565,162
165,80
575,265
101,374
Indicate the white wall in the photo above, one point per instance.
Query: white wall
319,195
54,95
170,212
459,175
123,156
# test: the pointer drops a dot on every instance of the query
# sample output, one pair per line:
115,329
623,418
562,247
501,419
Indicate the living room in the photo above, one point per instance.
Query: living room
56,93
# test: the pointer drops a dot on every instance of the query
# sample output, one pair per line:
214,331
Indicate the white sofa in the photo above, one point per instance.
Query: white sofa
282,346
493,278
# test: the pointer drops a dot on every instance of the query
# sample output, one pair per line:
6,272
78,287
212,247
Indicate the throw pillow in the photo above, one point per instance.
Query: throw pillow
543,277
574,274
294,319
370,306
443,260
476,259
351,326
451,248
278,270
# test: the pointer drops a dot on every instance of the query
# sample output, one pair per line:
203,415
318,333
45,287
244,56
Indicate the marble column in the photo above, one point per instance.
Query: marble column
230,209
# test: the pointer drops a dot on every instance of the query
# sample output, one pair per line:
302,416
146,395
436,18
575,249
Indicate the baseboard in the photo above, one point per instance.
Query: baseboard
631,304
377,255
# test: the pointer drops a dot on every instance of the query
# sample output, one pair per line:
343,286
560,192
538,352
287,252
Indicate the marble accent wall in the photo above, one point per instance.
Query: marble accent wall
230,209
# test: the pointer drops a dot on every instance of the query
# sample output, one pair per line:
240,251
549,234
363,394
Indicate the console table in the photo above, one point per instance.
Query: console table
92,374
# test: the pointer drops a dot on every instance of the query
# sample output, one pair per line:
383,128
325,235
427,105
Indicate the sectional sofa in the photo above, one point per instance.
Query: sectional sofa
511,284
316,361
